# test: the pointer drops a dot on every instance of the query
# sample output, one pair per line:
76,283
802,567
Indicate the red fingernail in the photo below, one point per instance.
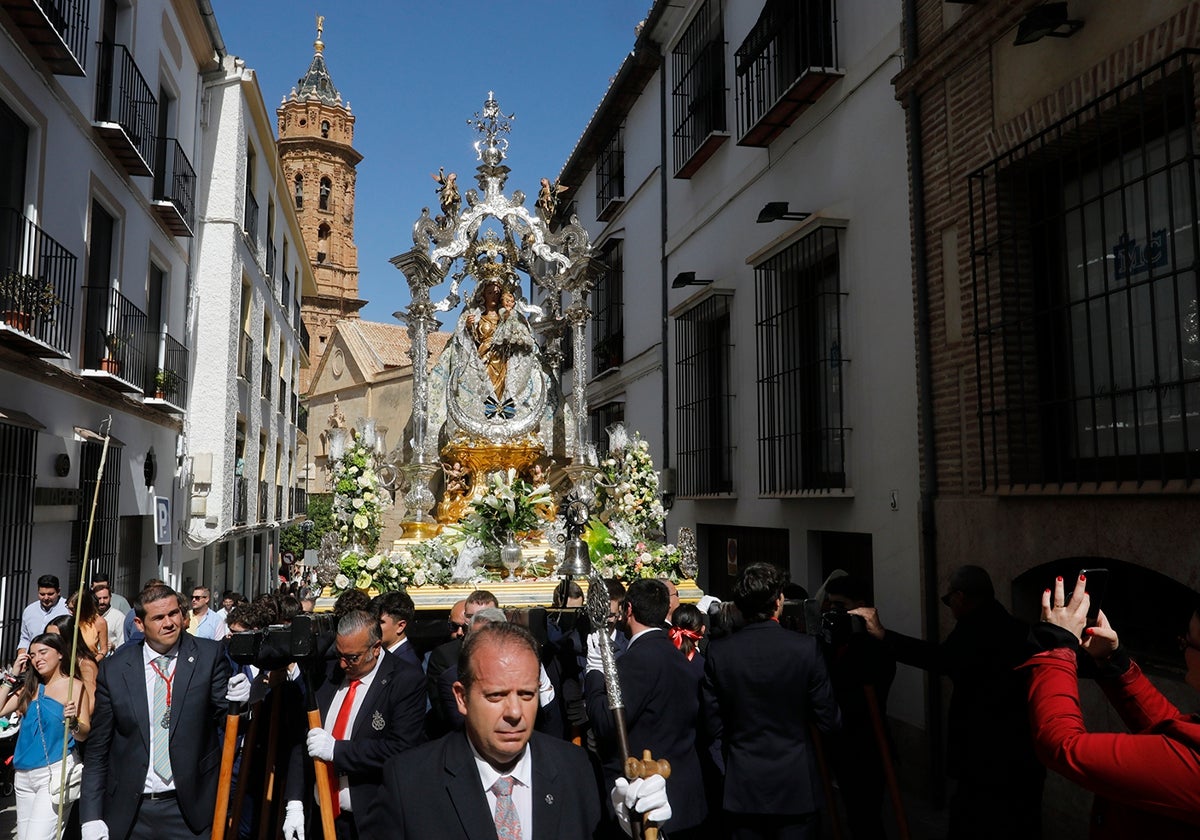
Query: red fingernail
1047,589
1089,631
1059,578
1083,577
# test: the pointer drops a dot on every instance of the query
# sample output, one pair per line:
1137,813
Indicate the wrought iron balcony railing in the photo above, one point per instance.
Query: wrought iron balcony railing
126,110
167,373
271,264
268,375
56,29
250,224
264,502
240,502
175,188
299,501
245,355
114,337
37,286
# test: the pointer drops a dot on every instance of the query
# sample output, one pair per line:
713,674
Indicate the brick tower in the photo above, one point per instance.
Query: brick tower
316,137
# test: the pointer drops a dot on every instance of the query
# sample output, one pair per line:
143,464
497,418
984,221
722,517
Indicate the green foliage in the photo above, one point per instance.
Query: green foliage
320,513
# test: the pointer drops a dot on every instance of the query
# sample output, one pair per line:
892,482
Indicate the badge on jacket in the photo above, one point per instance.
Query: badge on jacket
377,722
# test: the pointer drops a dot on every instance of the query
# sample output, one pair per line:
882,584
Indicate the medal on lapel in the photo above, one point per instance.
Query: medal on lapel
377,722
165,723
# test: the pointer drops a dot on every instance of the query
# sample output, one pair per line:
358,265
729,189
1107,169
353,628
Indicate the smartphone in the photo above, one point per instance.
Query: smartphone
1097,585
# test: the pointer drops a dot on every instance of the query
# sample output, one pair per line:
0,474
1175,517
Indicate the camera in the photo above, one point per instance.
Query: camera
837,626
307,638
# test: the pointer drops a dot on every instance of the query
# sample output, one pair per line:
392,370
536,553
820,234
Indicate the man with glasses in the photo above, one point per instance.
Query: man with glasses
204,623
373,707
446,656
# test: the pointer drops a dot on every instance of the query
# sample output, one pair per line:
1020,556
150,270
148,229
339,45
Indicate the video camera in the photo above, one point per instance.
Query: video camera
833,626
306,639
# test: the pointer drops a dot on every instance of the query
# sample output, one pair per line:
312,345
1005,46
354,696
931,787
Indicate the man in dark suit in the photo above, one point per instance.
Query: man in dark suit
501,773
154,754
762,687
395,610
373,706
446,656
662,703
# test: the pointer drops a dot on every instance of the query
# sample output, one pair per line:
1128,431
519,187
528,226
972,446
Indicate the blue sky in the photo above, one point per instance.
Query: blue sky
414,74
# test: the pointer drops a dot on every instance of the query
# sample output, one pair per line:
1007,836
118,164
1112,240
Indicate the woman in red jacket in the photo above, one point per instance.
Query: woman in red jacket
1147,782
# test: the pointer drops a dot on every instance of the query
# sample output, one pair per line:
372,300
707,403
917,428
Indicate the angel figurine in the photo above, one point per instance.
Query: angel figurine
448,196
547,200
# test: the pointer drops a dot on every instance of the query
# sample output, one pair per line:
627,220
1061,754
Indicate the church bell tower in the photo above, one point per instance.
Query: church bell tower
316,148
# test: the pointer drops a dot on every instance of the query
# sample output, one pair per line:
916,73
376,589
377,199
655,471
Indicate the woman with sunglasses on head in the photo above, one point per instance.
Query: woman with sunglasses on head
38,688
1146,781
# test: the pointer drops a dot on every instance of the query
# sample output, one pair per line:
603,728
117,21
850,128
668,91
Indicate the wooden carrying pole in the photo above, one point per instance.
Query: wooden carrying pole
225,779
105,432
324,769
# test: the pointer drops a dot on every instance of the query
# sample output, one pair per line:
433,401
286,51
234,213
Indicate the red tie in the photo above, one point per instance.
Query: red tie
339,733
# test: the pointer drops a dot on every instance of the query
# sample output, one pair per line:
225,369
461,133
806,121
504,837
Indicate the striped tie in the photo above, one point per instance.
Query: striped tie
508,824
160,738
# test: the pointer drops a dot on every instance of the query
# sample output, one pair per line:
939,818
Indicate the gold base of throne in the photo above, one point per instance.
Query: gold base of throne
475,459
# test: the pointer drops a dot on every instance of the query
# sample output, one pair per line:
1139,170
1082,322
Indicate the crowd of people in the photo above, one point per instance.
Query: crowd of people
508,725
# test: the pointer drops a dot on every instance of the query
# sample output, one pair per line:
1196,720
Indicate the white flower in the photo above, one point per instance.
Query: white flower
419,577
360,522
365,481
368,496
373,562
357,504
353,470
392,571
341,581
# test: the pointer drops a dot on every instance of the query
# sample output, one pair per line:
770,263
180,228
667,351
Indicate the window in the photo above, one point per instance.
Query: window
608,332
610,177
322,242
18,476
698,97
704,398
104,549
14,149
326,186
801,426
250,225
299,191
788,59
1088,347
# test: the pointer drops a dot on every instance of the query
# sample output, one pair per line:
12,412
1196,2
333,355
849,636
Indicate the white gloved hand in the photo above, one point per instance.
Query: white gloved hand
647,797
293,821
320,744
594,661
238,690
94,830
545,688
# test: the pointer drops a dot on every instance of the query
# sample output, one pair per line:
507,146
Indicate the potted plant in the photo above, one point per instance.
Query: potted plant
24,297
114,344
165,382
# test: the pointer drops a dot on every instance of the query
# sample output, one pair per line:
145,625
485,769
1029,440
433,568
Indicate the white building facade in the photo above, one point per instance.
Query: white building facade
99,137
253,269
746,176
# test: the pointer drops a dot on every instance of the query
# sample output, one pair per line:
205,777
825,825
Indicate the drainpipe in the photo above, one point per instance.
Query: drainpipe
929,476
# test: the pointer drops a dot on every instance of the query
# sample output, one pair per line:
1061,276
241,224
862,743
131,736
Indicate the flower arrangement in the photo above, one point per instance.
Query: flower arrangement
358,570
625,538
430,562
357,506
511,506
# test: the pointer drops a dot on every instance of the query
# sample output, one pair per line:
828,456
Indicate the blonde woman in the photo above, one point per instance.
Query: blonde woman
37,688
92,626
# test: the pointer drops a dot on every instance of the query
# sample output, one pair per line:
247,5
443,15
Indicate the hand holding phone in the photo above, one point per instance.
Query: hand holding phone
1096,584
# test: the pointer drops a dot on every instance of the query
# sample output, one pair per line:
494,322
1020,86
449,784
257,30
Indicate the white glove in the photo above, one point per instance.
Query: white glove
647,797
594,662
293,821
94,830
545,688
320,744
238,690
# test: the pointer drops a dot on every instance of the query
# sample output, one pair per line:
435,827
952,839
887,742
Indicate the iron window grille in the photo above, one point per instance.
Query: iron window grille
104,549
608,331
601,418
610,176
1084,248
802,433
704,398
18,475
785,63
698,95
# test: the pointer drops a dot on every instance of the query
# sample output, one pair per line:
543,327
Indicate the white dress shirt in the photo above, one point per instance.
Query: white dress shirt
153,783
522,791
335,707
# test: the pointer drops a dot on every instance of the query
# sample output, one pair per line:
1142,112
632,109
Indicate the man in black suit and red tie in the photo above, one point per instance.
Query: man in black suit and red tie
373,706
499,778
763,685
153,753
662,704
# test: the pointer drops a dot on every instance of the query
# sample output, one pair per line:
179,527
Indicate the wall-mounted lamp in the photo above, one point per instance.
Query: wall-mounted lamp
1048,20
774,211
150,468
687,278
62,465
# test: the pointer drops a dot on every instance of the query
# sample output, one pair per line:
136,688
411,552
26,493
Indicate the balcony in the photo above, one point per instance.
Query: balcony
786,62
37,288
175,188
126,110
283,400
264,502
56,29
245,353
268,375
114,346
167,378
250,223
240,506
285,300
